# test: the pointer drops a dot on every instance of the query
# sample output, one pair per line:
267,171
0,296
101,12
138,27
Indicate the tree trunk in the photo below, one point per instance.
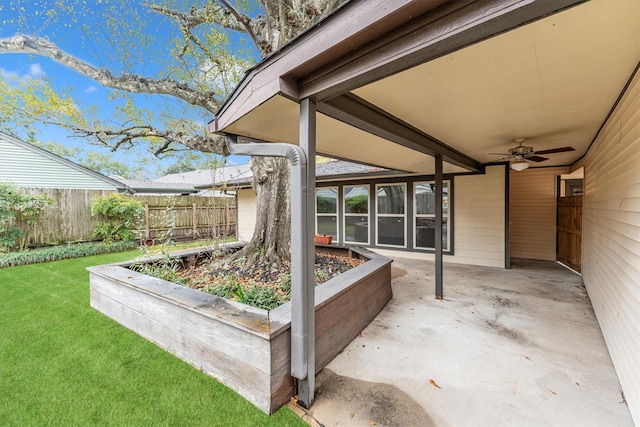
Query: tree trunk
271,241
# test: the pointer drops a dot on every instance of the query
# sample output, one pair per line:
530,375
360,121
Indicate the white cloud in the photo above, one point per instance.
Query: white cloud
35,72
90,89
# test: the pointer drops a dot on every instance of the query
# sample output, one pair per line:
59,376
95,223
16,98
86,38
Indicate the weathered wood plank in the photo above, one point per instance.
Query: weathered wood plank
231,369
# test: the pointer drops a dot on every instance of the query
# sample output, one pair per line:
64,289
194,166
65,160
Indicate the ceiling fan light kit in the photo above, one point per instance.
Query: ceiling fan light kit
519,165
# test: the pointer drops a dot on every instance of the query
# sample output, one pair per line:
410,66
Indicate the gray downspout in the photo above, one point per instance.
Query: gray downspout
302,260
438,233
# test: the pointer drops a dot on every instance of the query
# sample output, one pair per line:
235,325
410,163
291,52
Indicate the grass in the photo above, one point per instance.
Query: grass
65,364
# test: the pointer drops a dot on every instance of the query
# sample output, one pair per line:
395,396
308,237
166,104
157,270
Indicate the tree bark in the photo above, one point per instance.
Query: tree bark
271,240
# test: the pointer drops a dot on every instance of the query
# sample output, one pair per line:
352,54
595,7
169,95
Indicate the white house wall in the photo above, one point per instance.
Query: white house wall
479,221
246,214
25,168
532,213
611,238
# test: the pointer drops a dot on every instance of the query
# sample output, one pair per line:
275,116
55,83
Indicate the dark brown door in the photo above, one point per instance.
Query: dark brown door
569,231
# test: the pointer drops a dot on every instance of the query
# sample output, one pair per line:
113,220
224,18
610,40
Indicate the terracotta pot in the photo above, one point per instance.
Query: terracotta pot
323,239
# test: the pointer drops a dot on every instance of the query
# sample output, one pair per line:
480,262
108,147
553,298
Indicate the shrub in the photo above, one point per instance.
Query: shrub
165,269
15,208
118,216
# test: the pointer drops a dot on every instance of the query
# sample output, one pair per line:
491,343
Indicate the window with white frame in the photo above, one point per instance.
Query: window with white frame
425,215
327,211
356,214
391,209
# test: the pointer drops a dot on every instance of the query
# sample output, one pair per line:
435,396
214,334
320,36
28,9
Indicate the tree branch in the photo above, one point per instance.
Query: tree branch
126,82
245,21
225,15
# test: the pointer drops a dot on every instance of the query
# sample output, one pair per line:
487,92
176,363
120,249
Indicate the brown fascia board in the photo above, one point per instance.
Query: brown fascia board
351,26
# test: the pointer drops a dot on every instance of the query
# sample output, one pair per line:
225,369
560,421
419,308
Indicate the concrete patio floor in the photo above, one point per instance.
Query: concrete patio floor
518,347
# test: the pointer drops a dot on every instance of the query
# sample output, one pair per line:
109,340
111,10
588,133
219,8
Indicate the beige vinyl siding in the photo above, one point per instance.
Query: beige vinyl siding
26,168
532,213
246,214
611,239
479,218
479,221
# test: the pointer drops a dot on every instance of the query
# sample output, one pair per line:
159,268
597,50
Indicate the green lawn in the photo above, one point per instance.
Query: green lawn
64,364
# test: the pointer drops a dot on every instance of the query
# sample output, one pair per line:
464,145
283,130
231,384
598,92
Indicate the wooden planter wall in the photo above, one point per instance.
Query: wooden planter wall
246,348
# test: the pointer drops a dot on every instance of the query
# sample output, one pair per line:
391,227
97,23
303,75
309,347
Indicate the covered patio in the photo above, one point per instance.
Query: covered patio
434,89
507,347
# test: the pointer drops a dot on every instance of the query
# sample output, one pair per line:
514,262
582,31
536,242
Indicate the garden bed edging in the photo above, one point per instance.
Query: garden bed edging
246,348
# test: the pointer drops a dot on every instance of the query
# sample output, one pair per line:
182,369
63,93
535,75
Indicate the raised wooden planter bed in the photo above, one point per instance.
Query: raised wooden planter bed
246,348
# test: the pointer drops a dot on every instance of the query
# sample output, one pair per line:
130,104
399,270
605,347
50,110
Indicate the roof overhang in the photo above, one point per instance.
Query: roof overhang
398,82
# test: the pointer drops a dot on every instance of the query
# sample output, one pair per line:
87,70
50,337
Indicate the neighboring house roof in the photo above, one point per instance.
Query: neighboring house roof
154,187
26,165
229,175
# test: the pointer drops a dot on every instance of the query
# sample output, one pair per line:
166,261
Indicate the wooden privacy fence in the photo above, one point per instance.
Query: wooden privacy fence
69,219
188,217
569,231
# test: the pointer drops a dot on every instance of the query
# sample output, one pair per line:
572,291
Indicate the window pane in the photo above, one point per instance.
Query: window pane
390,199
328,225
426,233
356,229
426,198
356,199
327,200
391,231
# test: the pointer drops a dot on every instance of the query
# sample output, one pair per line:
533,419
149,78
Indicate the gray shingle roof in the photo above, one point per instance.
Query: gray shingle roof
231,175
143,186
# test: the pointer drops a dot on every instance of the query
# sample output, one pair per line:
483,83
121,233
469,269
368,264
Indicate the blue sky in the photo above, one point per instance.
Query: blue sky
29,17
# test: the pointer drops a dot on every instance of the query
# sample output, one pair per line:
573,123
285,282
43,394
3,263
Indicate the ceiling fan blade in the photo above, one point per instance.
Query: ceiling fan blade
504,159
555,150
537,158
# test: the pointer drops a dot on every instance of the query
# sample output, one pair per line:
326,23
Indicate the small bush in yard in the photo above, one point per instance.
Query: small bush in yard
118,216
15,207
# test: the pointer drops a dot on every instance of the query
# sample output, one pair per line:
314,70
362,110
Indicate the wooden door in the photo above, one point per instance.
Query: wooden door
569,231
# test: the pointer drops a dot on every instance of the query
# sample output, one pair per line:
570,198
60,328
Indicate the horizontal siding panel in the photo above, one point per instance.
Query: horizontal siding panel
463,232
483,247
26,168
611,245
491,239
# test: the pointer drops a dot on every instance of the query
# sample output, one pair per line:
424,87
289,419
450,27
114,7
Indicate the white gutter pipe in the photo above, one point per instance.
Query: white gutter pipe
302,260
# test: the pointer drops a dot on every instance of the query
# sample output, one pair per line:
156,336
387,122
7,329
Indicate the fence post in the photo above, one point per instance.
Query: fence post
195,221
147,221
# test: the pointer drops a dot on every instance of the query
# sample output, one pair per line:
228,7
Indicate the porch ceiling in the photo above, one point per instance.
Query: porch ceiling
552,81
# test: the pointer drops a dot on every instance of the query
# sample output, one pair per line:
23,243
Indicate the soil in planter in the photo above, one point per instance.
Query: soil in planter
264,288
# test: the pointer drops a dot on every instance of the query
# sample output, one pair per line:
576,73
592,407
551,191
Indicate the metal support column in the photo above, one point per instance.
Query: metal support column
307,377
438,233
